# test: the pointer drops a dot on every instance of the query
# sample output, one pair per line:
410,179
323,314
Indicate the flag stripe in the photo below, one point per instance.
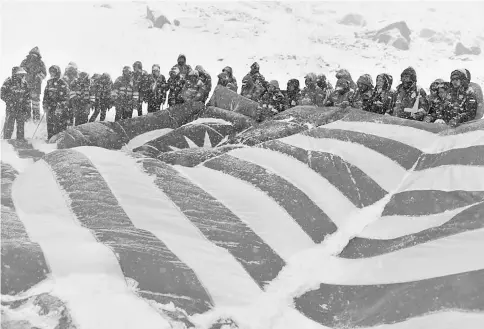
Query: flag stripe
193,157
23,262
86,274
426,202
470,156
401,153
390,227
152,210
353,183
310,217
444,319
467,220
161,276
360,116
372,305
419,139
301,176
25,150
445,178
254,207
385,172
217,223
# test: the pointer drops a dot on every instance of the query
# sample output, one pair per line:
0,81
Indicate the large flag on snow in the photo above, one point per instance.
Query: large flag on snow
397,205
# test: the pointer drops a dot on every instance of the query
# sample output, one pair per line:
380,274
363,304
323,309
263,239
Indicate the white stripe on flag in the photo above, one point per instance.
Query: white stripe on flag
9,155
445,256
384,171
423,140
440,320
261,213
87,274
391,227
337,206
446,178
150,209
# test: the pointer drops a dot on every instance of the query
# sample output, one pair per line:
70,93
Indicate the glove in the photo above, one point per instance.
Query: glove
428,119
439,121
388,114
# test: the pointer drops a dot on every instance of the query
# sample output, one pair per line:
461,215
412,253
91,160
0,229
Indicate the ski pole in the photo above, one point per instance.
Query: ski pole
41,119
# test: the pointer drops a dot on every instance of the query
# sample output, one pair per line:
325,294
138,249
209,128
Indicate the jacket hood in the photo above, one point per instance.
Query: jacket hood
343,73
18,70
311,77
137,64
366,80
410,71
468,73
201,70
274,83
55,71
387,81
293,82
182,56
35,51
343,83
229,70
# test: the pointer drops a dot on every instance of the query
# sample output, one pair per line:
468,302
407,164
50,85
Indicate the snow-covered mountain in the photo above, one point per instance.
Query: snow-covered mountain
288,39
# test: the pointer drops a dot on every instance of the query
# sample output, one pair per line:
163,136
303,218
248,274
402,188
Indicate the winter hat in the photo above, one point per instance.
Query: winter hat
55,71
35,51
459,74
293,82
410,71
311,77
436,84
95,76
274,83
193,73
255,66
155,65
137,64
366,79
223,76
72,65
18,70
343,73
83,75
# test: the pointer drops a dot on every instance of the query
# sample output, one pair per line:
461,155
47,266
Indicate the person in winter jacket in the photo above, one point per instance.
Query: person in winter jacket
407,94
312,94
342,94
254,84
206,80
273,100
141,83
158,89
227,79
325,85
176,81
56,96
438,100
71,73
15,93
123,95
382,97
101,100
292,94
463,100
36,73
79,98
193,90
364,90
345,74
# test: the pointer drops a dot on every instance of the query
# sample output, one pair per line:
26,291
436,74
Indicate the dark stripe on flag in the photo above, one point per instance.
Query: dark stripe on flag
401,153
427,202
217,223
477,125
160,274
353,183
194,156
23,262
305,212
352,306
469,156
467,220
25,150
362,116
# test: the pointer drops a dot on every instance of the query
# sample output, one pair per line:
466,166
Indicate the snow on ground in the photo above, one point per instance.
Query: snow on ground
288,39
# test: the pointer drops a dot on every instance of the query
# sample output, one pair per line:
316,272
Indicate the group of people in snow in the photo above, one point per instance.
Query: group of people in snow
70,97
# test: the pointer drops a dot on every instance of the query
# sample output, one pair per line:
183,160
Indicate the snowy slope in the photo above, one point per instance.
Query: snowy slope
287,39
